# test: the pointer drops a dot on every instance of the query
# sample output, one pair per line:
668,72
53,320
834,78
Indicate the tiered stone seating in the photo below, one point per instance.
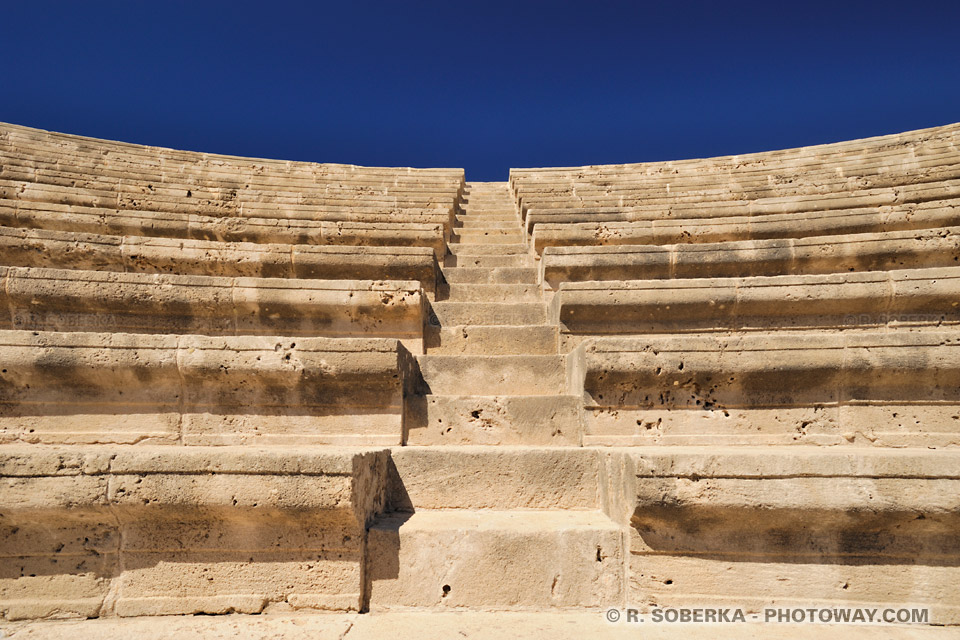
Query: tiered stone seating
71,300
908,297
90,531
73,185
82,387
773,338
157,302
831,527
731,382
49,168
879,388
92,252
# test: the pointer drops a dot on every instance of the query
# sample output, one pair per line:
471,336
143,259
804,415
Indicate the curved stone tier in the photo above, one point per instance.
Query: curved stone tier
791,256
76,300
828,388
72,250
85,387
119,533
619,228
924,297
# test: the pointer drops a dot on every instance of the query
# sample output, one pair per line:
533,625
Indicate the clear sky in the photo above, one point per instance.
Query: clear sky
481,85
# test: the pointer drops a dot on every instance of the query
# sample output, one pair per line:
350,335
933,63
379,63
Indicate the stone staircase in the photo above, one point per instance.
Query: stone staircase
492,372
497,528
707,385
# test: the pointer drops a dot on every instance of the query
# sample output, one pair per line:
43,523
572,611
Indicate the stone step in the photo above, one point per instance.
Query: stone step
492,340
488,559
524,375
448,314
77,387
836,301
824,388
494,293
489,262
491,194
510,477
493,275
512,217
489,185
483,210
474,233
474,222
167,530
925,248
511,249
552,420
85,300
356,228
506,236
68,250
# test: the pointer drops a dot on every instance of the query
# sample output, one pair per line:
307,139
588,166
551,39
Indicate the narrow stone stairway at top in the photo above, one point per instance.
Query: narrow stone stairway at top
475,534
492,373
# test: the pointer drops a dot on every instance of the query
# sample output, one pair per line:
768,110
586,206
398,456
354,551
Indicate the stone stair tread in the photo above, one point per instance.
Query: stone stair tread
531,339
517,260
490,275
493,292
452,558
520,520
448,313
542,420
494,375
488,250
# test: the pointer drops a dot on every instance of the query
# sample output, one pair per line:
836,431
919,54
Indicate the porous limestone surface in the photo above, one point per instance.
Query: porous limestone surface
239,386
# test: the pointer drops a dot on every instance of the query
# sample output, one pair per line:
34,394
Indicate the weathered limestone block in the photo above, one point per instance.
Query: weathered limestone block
880,389
514,560
544,420
159,531
162,389
789,256
516,375
503,478
80,300
769,527
492,340
909,297
69,250
590,229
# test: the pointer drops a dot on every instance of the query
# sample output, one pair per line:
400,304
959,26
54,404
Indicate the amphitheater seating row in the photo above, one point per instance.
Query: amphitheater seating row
59,182
100,532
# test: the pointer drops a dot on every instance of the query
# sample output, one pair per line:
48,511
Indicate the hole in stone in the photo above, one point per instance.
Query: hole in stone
599,556
668,582
446,590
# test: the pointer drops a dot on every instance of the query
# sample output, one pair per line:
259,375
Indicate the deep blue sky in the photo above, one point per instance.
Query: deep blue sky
480,85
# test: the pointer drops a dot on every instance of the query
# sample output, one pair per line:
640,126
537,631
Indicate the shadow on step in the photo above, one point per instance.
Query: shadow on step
798,536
